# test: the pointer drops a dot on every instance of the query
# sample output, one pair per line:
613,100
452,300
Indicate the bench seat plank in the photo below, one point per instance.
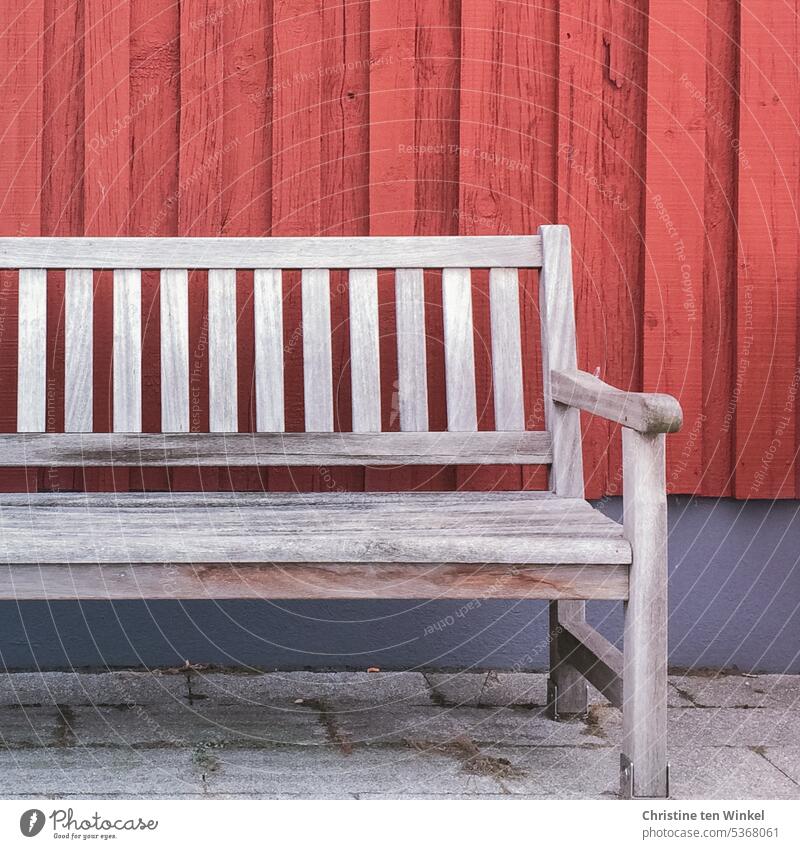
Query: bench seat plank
97,528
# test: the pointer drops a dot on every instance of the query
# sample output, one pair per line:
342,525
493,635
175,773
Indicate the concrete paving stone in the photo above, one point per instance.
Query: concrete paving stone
207,723
73,688
738,727
507,726
53,772
311,773
563,772
464,689
31,727
725,690
339,690
725,773
503,689
786,759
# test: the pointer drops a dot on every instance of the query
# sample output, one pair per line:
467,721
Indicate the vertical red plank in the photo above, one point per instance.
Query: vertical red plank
106,183
507,155
296,186
62,193
600,176
768,372
719,282
413,105
246,182
674,224
155,121
21,120
200,192
344,181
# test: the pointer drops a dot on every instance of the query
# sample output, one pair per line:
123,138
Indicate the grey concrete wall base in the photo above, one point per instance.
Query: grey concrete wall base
734,601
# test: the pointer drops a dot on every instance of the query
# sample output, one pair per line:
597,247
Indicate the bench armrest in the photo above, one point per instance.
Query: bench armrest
647,412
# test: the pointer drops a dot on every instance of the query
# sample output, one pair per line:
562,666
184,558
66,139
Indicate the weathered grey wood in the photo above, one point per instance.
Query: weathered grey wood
317,360
308,580
594,657
293,252
509,405
272,449
173,528
78,351
127,350
647,412
559,352
459,354
364,351
644,744
32,351
174,292
268,314
411,355
222,370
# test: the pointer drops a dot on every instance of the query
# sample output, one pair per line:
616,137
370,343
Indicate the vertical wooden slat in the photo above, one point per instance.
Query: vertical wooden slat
364,353
222,395
32,355
509,406
174,350
459,350
78,348
127,351
674,231
411,356
317,371
268,310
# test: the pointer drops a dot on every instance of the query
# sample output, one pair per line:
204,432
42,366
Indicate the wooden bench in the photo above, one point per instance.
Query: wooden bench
534,545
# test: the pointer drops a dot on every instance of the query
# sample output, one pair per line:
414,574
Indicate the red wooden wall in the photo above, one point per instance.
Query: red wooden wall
665,133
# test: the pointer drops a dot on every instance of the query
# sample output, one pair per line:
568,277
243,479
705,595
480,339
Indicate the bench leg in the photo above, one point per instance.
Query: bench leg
644,769
566,687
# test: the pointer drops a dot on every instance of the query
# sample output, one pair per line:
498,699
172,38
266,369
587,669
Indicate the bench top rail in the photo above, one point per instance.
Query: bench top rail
272,252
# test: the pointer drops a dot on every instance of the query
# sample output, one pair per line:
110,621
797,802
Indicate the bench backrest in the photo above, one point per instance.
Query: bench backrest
362,257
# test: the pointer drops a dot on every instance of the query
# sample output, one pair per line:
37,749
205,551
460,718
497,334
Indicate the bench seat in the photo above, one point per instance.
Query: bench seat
488,533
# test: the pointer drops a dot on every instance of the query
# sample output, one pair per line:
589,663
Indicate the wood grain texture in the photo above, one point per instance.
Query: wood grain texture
268,314
459,350
412,366
308,581
591,654
769,244
559,353
300,449
509,402
127,351
674,216
222,333
317,369
174,351
78,353
644,715
647,412
32,350
284,529
23,58
284,252
365,367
